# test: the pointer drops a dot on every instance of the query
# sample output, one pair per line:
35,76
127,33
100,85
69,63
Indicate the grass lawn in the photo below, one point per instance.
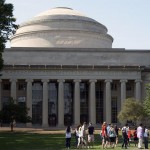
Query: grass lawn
34,141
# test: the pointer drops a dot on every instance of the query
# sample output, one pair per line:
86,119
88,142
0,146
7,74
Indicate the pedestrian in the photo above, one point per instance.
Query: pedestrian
112,136
76,133
104,135
12,123
108,128
80,137
83,135
125,135
90,135
68,136
140,135
146,136
129,136
135,137
117,133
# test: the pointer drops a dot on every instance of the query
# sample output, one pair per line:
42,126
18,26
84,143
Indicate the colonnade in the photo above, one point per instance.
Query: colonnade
76,105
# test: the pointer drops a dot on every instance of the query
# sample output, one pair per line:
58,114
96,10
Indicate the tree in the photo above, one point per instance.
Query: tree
7,26
132,110
147,101
16,112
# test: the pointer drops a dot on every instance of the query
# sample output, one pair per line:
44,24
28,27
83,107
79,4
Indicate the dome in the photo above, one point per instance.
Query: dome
62,27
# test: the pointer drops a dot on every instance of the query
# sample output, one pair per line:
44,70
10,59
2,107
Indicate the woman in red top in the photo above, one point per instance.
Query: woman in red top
129,136
135,137
104,135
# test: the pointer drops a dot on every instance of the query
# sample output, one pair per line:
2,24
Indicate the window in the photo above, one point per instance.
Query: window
22,86
114,86
5,100
37,99
68,103
114,110
52,103
6,86
129,86
84,102
99,102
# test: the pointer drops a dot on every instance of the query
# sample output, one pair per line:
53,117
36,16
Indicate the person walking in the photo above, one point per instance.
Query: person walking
82,136
129,136
68,136
112,136
146,136
90,135
125,135
135,137
104,135
108,128
77,134
117,134
140,136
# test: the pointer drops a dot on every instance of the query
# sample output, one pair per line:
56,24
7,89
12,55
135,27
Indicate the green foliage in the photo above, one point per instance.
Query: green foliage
132,110
147,101
18,112
7,26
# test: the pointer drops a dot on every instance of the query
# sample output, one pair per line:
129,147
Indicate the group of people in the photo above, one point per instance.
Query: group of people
84,136
140,136
109,135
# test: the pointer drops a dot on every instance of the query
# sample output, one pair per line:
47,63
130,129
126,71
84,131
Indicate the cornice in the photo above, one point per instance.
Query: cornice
74,67
53,32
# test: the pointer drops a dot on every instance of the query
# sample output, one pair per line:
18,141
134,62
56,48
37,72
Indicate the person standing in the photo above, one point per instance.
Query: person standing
82,136
117,133
68,137
112,136
125,135
140,136
77,134
104,135
146,136
108,128
135,137
129,136
90,135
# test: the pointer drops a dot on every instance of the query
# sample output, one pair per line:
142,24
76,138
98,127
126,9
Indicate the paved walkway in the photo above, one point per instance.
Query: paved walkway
33,130
38,130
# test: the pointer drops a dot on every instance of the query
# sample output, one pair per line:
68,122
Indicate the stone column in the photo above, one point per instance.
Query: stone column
92,102
13,89
29,98
0,94
45,103
123,91
138,89
108,101
61,103
77,102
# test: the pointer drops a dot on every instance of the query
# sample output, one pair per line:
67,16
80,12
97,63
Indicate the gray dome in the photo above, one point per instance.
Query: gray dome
62,27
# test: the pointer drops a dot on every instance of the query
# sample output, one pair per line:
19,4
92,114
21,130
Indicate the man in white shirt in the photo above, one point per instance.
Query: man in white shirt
140,136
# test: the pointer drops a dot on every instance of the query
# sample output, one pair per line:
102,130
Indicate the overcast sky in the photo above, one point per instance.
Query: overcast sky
127,21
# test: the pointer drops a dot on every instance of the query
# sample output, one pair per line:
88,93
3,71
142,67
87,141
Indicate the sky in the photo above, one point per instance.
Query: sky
127,21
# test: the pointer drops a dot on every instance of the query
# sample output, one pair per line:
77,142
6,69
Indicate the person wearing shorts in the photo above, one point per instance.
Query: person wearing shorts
90,135
112,136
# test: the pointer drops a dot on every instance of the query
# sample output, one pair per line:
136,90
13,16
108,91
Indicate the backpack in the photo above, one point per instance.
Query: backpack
124,133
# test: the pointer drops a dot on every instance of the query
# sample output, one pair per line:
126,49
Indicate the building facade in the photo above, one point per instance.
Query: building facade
61,64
